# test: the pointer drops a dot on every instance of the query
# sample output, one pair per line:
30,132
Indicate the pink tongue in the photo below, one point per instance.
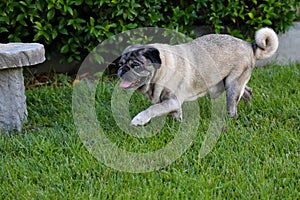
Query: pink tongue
125,84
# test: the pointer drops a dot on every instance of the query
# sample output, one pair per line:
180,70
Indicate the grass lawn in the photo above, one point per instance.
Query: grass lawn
256,157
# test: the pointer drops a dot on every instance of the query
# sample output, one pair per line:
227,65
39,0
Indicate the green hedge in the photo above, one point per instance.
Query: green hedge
75,27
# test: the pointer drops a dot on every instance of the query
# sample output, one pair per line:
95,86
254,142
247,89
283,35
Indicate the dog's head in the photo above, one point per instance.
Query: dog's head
137,66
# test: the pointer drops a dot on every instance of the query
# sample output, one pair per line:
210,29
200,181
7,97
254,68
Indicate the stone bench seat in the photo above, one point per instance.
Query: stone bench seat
14,56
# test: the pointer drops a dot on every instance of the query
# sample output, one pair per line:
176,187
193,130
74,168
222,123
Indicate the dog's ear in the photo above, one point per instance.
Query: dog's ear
133,47
153,55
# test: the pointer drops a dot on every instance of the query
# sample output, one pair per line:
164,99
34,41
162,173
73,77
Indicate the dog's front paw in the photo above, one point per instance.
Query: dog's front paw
177,115
141,119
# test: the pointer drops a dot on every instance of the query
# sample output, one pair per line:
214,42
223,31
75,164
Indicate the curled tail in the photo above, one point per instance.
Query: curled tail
266,43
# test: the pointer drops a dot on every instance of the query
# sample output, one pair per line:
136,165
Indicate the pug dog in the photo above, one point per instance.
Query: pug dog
169,75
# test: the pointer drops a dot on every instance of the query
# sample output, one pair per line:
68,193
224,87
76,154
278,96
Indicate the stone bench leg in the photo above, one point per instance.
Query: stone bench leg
13,110
14,56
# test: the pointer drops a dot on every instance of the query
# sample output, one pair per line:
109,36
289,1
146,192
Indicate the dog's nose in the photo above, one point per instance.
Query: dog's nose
122,71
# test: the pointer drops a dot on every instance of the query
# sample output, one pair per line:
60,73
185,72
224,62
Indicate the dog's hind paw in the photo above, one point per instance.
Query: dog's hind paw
247,96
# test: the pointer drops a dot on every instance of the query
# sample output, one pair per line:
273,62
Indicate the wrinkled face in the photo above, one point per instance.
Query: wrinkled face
137,67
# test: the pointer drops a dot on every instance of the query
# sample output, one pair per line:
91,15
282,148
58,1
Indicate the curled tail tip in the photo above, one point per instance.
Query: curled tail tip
267,42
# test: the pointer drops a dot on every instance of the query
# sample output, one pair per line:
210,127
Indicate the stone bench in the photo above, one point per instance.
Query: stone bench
14,56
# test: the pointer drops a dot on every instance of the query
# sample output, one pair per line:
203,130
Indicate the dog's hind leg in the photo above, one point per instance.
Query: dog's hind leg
247,96
235,90
232,98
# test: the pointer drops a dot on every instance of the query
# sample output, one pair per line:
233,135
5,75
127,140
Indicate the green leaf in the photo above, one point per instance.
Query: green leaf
50,6
92,21
54,34
3,29
50,14
46,36
267,21
64,49
131,25
20,17
251,15
5,19
23,3
38,25
78,2
70,59
70,11
63,31
40,5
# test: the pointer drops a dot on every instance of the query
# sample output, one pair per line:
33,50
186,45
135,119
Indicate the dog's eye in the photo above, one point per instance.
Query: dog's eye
135,65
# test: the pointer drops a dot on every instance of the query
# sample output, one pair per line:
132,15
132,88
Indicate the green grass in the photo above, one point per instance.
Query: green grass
257,157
